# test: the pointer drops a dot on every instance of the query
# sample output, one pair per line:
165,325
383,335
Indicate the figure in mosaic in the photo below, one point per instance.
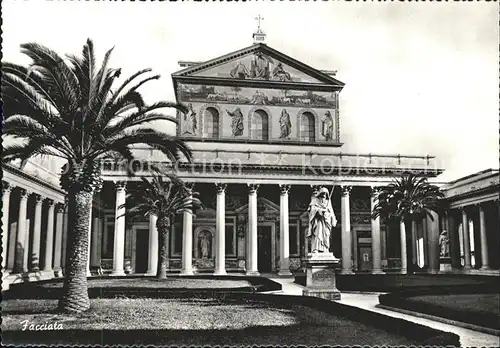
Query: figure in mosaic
260,67
327,126
280,74
285,124
321,221
237,122
190,122
239,71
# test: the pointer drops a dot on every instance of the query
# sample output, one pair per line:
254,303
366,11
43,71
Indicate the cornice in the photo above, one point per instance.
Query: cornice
16,171
270,142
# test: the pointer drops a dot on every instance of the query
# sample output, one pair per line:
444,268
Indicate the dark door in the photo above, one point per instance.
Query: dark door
264,262
142,250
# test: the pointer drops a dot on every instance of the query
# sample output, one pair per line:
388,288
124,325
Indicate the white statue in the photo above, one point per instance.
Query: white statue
321,221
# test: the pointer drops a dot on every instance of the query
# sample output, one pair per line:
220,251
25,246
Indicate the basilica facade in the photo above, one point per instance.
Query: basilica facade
265,131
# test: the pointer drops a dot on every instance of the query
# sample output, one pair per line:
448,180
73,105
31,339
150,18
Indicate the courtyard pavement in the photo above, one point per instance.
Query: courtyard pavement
369,301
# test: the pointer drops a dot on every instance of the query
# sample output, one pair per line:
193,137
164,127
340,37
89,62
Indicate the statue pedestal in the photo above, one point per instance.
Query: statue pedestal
320,276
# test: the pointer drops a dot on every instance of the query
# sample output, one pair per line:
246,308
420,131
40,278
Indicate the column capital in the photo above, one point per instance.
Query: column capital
50,202
120,185
38,198
346,190
285,189
6,187
253,188
60,208
24,193
220,188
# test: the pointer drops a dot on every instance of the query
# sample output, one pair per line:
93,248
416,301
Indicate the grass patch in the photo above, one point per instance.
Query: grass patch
481,303
192,322
169,283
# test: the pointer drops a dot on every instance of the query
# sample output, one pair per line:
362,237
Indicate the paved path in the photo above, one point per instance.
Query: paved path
468,338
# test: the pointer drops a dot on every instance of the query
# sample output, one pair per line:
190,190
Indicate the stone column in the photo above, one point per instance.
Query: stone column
414,235
95,256
6,190
284,232
404,256
220,231
153,246
21,247
47,265
187,242
252,228
119,241
376,240
433,242
466,238
484,239
65,235
454,240
346,231
37,230
58,240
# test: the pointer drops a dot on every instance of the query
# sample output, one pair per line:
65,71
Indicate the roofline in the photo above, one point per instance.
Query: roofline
490,171
290,60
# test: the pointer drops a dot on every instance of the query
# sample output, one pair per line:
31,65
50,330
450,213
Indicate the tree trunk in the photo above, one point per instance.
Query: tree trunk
75,297
163,225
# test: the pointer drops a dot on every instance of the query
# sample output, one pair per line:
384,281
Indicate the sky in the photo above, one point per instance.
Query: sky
421,78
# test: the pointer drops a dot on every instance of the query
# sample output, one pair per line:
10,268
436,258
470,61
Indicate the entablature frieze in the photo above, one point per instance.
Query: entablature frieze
32,185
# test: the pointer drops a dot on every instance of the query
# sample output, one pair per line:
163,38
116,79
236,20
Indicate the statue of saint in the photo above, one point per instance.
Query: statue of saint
205,246
327,129
190,123
285,124
237,122
444,244
321,221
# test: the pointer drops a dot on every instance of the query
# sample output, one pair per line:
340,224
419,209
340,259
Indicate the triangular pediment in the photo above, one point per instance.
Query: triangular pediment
264,206
259,62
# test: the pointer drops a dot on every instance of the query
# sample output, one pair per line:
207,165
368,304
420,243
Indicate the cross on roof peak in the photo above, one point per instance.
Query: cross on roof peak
259,19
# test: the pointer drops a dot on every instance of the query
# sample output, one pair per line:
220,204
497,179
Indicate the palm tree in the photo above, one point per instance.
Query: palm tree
166,200
67,108
406,199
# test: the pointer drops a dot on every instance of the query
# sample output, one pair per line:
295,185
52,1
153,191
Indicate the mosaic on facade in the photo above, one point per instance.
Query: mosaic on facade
279,123
258,66
256,96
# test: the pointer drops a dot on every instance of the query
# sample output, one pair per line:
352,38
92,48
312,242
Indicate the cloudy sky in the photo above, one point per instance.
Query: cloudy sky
421,78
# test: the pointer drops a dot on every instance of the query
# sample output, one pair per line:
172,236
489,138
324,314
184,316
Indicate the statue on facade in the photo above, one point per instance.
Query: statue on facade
205,246
327,126
444,244
321,221
237,122
190,122
285,124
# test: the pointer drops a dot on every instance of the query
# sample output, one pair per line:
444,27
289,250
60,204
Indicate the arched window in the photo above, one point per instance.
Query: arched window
259,126
211,123
307,127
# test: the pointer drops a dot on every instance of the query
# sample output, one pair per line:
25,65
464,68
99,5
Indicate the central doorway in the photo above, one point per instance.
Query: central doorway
264,256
